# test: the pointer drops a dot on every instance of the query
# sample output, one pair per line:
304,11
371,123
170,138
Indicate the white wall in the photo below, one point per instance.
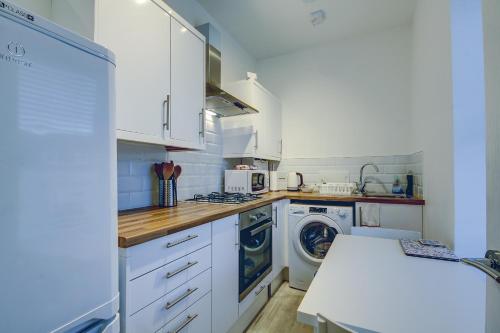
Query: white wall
236,61
348,98
75,15
491,11
469,127
40,7
432,115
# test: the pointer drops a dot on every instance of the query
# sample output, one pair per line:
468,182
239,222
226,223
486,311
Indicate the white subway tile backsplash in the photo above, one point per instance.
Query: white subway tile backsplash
129,184
140,168
142,199
203,171
346,169
123,168
124,199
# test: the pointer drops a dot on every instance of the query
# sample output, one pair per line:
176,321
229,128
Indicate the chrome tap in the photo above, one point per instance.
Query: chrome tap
362,183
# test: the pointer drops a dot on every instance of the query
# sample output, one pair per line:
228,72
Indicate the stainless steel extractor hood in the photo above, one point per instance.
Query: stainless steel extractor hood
217,100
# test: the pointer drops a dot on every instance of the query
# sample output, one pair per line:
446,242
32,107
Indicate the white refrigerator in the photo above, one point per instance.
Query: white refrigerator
58,220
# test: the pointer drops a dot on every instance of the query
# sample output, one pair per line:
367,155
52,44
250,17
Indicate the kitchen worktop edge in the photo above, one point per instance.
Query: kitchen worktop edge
137,226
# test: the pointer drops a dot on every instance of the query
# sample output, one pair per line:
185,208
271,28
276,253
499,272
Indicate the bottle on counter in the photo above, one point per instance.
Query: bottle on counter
396,186
409,186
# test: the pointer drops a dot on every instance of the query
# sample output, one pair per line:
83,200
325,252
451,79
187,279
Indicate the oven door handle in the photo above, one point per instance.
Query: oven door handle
263,227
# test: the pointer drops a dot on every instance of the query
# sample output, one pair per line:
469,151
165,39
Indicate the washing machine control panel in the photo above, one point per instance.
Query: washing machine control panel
318,210
341,212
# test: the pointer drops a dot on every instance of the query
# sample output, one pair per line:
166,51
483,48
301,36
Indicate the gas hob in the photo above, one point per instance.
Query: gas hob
225,198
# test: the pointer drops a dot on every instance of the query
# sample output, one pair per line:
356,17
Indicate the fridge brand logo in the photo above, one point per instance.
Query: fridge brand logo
16,49
17,11
15,55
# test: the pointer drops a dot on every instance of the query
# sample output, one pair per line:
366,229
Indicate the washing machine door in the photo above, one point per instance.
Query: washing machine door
313,236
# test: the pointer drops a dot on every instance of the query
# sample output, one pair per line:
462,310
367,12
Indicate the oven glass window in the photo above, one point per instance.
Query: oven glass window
255,252
257,182
316,238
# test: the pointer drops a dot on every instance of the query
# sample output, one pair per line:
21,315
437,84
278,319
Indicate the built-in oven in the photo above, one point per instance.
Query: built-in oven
255,258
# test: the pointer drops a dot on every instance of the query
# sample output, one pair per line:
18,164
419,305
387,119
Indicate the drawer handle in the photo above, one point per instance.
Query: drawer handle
188,320
260,290
180,241
182,269
180,298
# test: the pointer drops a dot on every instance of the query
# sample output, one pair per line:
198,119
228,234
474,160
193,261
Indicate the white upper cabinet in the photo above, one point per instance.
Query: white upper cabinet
255,135
136,33
160,67
188,85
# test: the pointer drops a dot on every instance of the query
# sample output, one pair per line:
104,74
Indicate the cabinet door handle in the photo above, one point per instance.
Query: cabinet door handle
182,269
256,140
360,216
188,320
275,216
202,127
180,241
281,146
260,290
180,298
237,227
166,113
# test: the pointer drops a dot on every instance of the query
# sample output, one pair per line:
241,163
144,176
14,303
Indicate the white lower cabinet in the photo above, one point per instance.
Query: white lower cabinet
279,235
195,319
161,281
189,281
166,283
259,291
162,311
225,292
392,216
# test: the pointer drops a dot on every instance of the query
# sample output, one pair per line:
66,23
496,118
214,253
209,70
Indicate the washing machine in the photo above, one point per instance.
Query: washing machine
312,229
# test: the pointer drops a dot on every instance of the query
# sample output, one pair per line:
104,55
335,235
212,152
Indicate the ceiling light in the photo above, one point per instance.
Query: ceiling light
317,17
140,2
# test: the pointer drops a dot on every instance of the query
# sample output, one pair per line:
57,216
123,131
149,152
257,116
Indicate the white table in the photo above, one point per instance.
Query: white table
369,283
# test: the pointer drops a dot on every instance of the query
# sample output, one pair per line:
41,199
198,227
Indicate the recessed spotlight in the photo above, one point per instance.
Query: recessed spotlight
317,17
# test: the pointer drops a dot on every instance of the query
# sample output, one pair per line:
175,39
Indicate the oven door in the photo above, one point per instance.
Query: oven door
258,182
255,254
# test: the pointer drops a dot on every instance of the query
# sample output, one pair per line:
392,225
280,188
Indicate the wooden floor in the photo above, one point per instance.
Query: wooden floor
280,313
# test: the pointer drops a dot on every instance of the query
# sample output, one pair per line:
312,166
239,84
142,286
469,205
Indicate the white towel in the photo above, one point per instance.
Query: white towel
370,215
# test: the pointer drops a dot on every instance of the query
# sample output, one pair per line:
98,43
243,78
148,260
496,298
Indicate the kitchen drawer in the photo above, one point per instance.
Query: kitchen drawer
260,291
195,319
153,285
148,256
155,315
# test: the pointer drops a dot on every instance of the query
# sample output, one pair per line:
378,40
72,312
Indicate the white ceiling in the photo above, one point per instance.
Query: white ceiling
268,28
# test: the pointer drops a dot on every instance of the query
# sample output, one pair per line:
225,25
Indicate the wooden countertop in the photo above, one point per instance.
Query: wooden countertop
141,225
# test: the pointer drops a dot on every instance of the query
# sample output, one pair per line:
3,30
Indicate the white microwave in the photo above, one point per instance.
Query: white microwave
246,181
